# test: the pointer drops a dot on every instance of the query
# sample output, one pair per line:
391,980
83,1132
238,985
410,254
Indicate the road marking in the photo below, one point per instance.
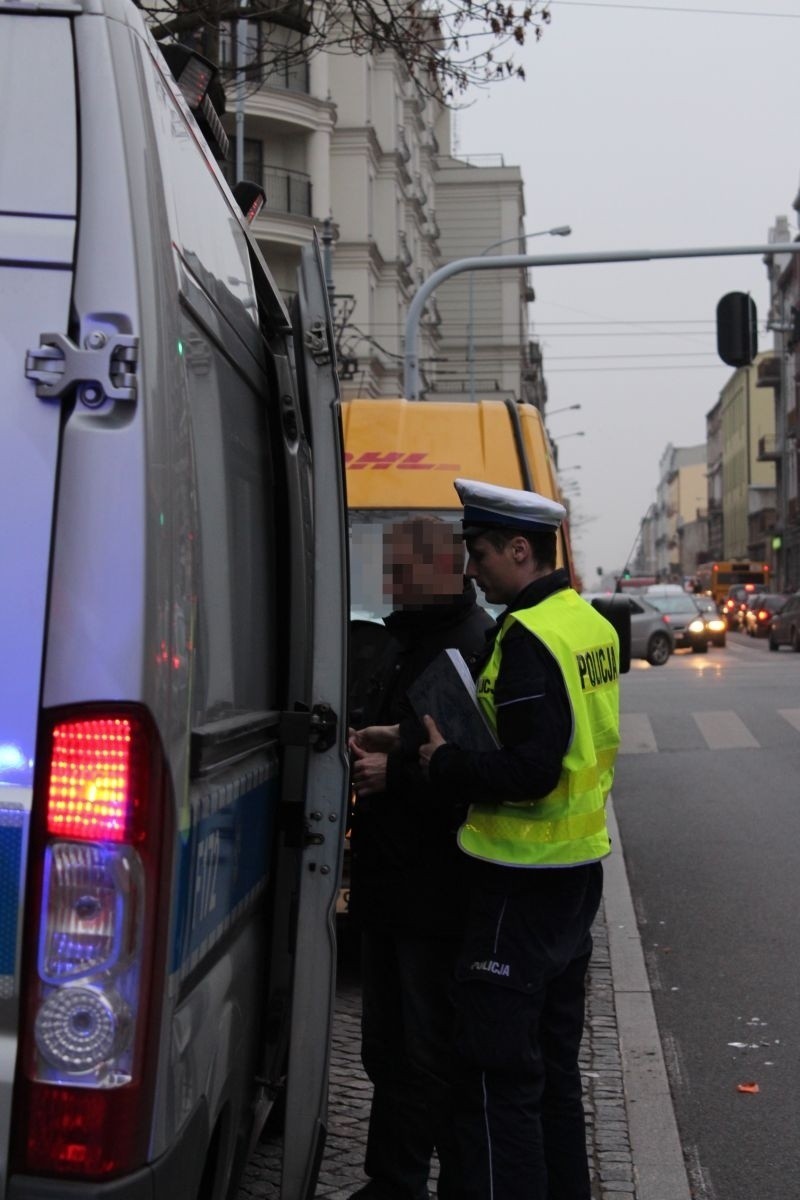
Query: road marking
637,734
724,731
792,715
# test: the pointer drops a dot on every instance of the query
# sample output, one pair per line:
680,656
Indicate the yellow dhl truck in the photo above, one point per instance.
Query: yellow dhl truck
402,457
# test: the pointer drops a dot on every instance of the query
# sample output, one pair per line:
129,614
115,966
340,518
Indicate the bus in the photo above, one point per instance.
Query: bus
717,578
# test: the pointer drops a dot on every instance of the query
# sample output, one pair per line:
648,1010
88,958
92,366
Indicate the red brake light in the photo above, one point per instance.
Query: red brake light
92,793
762,614
95,946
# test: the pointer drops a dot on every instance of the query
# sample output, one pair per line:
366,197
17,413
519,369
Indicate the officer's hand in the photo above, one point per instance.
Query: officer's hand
368,772
377,738
435,740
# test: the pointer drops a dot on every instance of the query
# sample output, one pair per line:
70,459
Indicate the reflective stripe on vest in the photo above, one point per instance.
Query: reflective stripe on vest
568,826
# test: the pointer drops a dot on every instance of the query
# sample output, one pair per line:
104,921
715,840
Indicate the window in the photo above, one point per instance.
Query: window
227,55
253,169
234,544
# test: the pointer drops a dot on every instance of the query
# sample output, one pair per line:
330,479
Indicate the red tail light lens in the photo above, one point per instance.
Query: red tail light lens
94,958
92,788
762,614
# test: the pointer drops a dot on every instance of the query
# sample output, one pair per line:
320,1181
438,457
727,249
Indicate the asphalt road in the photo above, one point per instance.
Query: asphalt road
707,795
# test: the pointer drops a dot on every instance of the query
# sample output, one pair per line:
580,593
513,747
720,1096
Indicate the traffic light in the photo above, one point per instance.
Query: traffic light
626,574
737,329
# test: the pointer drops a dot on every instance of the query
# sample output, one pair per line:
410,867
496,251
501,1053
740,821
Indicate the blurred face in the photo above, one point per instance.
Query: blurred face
423,563
497,572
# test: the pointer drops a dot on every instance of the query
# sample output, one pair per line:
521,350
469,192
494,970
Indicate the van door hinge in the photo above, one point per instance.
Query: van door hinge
105,369
316,342
316,729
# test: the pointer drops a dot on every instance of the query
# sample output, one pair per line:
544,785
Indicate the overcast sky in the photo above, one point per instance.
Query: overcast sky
644,127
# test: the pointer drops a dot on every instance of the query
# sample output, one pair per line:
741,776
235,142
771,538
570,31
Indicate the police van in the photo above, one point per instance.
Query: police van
172,760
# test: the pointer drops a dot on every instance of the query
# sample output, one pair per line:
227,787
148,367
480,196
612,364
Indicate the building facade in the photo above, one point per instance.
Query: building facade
484,342
780,377
680,500
349,140
747,422
715,536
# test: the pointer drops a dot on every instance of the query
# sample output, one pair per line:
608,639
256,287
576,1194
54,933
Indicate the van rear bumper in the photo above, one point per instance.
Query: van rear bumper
176,1173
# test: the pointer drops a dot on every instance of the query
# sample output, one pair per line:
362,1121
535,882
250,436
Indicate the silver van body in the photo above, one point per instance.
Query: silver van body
173,503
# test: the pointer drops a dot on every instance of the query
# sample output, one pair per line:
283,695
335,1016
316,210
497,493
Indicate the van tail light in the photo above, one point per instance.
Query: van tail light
94,954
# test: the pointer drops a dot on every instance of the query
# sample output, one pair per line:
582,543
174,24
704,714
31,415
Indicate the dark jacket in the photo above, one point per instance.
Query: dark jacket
406,868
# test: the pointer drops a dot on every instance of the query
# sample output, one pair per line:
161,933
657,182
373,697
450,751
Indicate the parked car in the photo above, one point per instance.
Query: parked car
651,633
784,628
760,610
716,625
685,620
736,602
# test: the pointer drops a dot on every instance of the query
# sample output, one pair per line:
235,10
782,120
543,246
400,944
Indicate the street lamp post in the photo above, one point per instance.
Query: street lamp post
556,231
561,436
566,408
498,262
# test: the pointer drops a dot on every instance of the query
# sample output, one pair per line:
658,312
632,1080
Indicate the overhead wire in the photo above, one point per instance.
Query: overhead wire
715,12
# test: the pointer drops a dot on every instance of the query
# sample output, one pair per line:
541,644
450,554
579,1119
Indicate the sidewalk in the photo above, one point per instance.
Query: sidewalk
634,1151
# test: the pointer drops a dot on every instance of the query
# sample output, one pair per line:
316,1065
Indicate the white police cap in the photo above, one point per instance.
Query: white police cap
488,506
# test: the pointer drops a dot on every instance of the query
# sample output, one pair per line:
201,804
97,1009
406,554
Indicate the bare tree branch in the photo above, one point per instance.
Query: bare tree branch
446,46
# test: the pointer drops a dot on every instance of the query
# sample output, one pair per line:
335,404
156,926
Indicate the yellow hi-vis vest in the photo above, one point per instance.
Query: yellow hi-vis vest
568,826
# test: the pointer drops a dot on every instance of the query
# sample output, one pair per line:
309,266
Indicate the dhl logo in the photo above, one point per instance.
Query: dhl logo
379,460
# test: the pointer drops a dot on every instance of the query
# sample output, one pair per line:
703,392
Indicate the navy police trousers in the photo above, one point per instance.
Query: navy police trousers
519,1000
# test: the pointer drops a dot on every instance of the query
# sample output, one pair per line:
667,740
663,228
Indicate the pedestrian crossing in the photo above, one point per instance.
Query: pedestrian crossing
722,730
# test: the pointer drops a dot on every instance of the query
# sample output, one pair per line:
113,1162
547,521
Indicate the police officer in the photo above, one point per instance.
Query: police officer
534,835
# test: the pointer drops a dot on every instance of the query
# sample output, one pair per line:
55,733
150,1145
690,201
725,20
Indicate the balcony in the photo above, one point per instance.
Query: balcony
769,372
769,448
287,191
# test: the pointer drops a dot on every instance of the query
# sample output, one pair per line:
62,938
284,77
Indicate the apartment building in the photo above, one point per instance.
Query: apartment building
484,343
680,501
346,143
747,425
779,376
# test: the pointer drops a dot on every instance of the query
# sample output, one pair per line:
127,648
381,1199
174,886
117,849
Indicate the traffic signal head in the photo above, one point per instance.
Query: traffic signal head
737,329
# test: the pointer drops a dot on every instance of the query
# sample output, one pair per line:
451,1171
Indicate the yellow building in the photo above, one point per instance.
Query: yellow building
748,485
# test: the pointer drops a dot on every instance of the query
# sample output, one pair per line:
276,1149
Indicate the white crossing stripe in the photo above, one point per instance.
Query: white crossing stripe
637,734
792,715
724,731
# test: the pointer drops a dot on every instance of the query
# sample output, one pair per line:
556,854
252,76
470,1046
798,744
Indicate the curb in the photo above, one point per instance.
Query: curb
655,1143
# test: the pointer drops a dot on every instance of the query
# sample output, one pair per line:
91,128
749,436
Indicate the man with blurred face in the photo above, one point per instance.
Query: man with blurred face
406,889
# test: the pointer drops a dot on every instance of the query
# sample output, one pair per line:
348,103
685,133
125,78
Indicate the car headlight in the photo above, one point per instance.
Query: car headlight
696,626
716,626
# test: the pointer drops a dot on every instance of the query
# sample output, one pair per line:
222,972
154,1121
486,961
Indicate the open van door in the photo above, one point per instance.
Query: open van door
313,985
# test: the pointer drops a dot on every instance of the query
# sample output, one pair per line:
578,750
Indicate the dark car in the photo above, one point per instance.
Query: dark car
784,628
715,623
685,619
760,610
736,602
